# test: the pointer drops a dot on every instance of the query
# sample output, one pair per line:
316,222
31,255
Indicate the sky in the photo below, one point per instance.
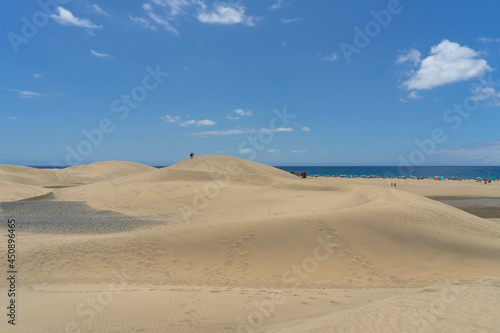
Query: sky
280,82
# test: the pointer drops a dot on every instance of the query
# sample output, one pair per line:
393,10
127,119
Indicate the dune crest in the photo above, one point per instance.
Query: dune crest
228,164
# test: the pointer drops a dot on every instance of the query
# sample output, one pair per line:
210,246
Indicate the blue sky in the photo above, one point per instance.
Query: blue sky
279,82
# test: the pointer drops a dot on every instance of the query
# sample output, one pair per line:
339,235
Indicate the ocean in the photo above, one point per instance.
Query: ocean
463,172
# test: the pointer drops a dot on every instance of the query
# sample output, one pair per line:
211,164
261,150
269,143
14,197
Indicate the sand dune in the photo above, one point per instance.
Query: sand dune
15,178
99,171
232,225
227,230
11,191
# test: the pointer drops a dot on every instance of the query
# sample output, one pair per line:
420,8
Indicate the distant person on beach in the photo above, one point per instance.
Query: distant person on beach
394,185
191,155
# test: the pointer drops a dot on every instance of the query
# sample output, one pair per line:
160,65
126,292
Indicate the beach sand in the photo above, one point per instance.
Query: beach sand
220,244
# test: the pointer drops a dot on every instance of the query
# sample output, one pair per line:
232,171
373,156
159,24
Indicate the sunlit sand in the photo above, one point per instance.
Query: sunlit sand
228,245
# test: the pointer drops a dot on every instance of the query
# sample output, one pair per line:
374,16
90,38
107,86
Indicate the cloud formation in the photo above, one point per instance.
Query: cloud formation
203,122
238,131
169,119
226,14
291,20
238,113
486,94
279,4
27,94
101,55
331,57
414,95
448,63
223,133
98,10
489,40
164,14
413,56
65,17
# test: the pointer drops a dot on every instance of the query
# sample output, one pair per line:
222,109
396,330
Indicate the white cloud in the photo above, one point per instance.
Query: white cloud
98,10
164,23
12,118
403,100
101,55
279,4
414,95
142,21
163,13
300,151
36,75
412,56
331,57
291,20
284,129
225,14
306,129
204,122
27,94
448,63
489,40
237,131
487,94
223,133
169,119
65,17
177,6
243,113
239,113
245,151
283,44
279,129
271,150
187,123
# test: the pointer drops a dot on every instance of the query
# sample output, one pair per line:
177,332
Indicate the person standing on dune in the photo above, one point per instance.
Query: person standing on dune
191,155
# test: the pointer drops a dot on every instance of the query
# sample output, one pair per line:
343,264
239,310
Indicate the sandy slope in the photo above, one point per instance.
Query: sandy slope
233,225
19,182
11,191
462,306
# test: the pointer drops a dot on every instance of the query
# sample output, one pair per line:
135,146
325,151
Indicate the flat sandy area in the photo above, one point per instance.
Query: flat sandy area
220,244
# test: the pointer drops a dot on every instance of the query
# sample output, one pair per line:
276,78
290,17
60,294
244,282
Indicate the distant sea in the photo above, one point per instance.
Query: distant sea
464,172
